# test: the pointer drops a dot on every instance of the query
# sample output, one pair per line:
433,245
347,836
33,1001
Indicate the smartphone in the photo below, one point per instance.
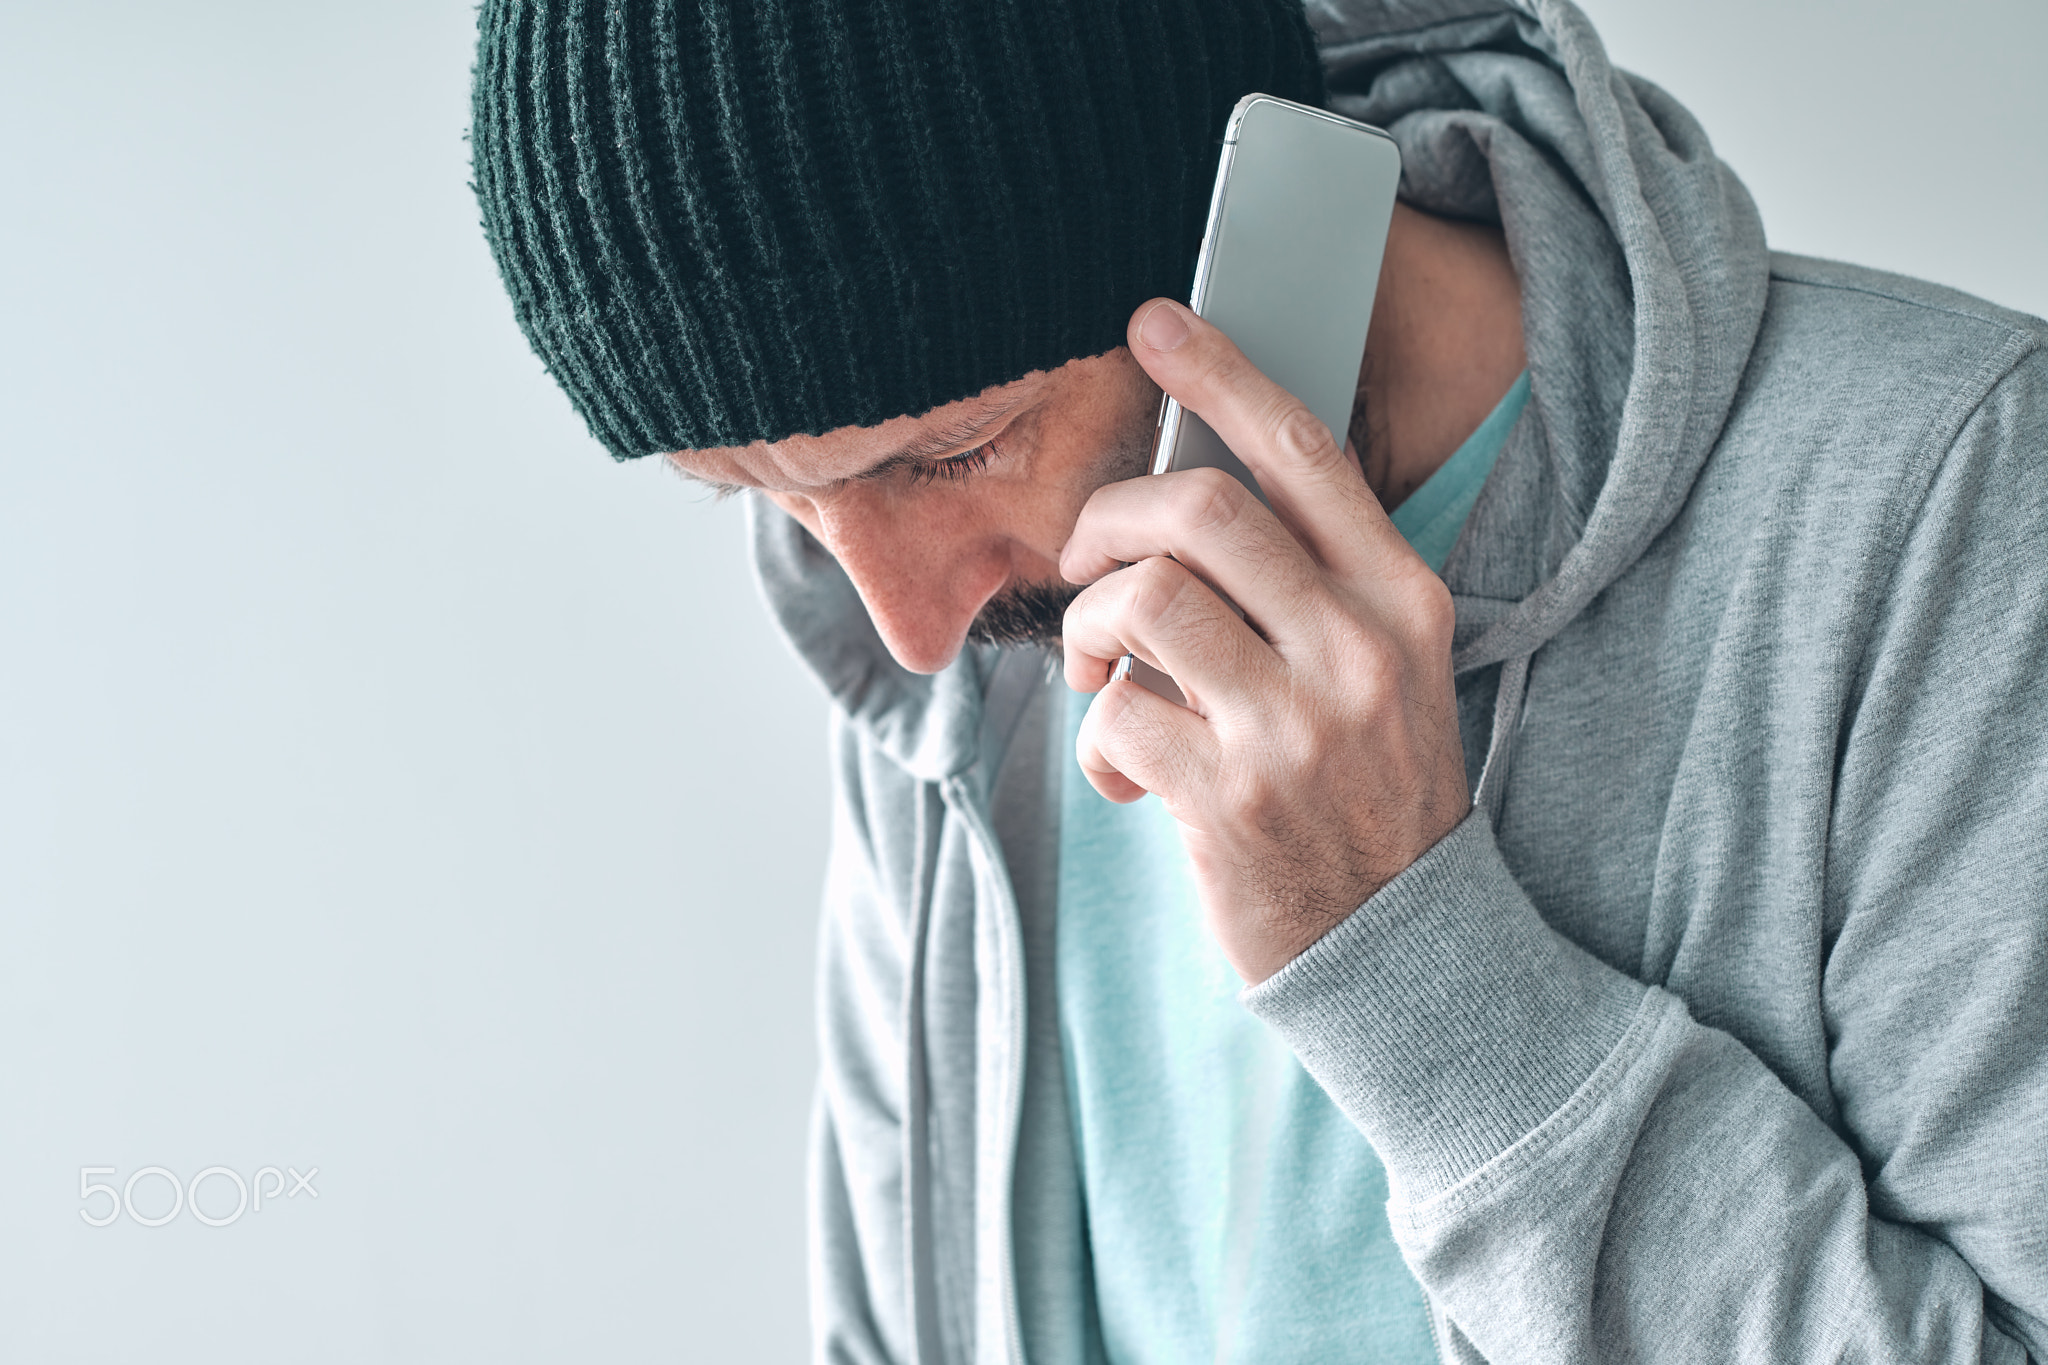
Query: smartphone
1289,265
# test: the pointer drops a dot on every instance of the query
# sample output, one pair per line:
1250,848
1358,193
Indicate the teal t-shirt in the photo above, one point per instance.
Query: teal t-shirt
1234,1213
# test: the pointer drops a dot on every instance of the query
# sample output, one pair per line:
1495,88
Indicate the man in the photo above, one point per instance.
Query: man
1630,849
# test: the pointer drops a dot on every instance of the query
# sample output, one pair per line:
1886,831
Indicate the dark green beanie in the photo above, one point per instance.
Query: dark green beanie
724,221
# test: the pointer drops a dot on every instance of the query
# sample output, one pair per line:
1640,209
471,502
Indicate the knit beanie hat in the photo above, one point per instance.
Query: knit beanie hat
724,221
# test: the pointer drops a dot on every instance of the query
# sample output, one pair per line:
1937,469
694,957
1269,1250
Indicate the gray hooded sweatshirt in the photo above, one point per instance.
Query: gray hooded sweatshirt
1719,1030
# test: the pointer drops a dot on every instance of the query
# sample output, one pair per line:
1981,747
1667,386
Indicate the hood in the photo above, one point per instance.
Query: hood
1643,271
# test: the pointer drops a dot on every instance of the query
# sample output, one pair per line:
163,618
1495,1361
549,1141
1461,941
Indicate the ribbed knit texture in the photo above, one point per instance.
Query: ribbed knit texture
724,222
1444,1017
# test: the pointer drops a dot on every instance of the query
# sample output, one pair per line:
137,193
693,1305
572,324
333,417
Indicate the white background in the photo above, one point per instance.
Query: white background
391,784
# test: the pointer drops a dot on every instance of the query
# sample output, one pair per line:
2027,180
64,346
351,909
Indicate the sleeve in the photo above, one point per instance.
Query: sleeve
1582,1171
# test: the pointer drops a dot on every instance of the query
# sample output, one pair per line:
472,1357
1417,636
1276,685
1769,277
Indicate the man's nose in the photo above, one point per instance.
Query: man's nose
921,573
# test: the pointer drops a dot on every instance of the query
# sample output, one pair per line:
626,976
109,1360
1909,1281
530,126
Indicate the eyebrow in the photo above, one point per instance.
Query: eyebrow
962,433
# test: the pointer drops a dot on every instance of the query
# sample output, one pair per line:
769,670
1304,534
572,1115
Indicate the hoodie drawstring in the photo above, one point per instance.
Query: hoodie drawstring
1507,719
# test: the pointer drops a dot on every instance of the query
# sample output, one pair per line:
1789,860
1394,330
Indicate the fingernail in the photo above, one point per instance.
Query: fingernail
1163,328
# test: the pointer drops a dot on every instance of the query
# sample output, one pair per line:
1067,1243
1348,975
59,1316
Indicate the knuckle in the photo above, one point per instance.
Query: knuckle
1421,610
1377,671
1436,616
1206,500
1175,609
1367,655
1300,436
1154,586
1090,603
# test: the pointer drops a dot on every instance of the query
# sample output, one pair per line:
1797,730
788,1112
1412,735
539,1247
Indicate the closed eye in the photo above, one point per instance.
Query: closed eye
962,466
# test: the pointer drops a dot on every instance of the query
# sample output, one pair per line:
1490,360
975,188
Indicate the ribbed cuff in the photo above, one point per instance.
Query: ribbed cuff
1444,1016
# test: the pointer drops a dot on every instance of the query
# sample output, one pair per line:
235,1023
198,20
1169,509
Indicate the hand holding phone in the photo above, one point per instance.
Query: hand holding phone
1317,753
1288,268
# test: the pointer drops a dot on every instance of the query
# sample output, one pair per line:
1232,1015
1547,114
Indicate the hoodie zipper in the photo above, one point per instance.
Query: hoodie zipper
919,1274
1010,957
